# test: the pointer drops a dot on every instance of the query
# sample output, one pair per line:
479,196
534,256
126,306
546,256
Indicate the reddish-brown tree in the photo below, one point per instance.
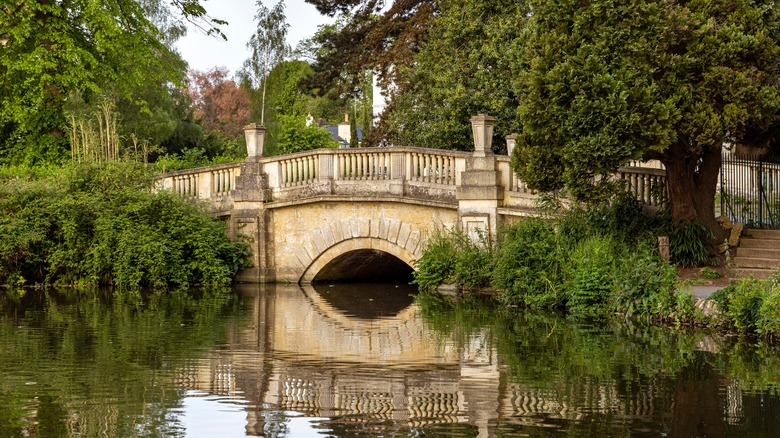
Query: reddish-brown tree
220,104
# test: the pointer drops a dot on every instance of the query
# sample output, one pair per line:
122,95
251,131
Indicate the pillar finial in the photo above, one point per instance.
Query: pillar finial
255,138
482,129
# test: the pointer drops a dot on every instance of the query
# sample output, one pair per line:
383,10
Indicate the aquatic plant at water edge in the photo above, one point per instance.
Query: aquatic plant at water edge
452,257
645,284
527,266
590,269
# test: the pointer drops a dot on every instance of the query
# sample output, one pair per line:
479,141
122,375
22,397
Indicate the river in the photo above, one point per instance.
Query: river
363,360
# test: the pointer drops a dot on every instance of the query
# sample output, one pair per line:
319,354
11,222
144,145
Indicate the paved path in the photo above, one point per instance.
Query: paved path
705,291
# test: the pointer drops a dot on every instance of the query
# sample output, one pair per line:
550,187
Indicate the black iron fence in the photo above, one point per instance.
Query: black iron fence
750,190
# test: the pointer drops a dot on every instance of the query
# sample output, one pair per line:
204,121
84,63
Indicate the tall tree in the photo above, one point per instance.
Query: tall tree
461,70
53,49
268,45
605,82
219,103
375,37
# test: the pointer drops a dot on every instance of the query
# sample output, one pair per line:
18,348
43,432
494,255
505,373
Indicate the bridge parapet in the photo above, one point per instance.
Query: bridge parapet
397,171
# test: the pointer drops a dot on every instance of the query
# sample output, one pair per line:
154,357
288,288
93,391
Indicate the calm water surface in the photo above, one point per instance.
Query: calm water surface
363,360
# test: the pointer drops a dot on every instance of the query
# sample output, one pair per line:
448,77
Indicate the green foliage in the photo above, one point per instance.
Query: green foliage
296,136
452,257
527,265
688,243
461,70
744,302
84,50
436,266
591,267
622,219
769,313
645,285
669,80
101,224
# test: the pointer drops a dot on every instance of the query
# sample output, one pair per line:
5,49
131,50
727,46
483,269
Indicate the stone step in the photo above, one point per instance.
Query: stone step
751,262
759,253
753,233
761,274
748,242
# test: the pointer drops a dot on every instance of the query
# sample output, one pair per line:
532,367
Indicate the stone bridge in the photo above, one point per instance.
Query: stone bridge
331,214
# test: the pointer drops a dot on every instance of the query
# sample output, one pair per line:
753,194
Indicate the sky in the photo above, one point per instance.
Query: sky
204,52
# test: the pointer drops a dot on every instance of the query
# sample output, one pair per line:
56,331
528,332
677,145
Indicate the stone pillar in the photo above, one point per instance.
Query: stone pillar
255,138
480,192
251,219
511,141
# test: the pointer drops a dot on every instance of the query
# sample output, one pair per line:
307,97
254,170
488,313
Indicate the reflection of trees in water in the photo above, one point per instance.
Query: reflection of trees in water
607,370
76,363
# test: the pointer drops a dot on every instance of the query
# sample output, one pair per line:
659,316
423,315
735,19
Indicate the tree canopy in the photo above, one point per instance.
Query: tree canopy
375,37
54,52
603,82
462,69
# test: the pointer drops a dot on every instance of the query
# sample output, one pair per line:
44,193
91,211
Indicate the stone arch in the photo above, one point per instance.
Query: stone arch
355,244
391,236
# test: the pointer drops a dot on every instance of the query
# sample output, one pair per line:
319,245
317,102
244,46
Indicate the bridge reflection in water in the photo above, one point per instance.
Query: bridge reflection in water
365,360
351,365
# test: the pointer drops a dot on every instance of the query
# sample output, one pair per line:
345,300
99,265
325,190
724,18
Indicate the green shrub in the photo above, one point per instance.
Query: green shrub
527,265
743,303
473,261
437,264
689,243
645,284
102,224
622,219
769,312
591,268
452,257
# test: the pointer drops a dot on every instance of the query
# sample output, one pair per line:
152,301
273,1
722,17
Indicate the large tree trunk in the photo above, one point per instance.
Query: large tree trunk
692,181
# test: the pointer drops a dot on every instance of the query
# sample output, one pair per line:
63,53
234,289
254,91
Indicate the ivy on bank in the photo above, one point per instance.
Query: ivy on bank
104,225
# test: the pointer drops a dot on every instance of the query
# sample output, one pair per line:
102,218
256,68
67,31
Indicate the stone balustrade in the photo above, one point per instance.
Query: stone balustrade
427,174
647,184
